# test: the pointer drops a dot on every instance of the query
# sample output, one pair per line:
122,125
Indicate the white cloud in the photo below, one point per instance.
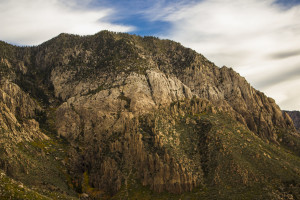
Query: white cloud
287,92
258,38
31,22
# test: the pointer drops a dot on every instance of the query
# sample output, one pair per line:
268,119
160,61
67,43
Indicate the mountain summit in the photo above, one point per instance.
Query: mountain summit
119,116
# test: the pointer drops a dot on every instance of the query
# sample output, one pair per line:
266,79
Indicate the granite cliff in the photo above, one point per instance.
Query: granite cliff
121,116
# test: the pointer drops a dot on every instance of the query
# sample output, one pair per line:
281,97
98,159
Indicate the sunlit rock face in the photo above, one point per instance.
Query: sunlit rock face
143,110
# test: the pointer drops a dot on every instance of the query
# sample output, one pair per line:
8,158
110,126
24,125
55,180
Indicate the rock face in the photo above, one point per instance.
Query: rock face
295,116
140,109
151,72
18,112
260,113
18,125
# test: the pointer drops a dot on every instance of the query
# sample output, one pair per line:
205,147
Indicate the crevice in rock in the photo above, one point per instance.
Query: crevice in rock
204,129
150,87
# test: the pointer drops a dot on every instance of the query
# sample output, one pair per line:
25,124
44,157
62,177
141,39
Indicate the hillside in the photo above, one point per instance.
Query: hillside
119,116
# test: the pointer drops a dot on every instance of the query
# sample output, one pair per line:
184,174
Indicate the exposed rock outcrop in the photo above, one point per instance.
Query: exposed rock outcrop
17,115
150,77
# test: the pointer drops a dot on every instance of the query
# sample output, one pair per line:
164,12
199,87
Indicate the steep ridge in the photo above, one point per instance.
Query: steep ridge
27,153
140,113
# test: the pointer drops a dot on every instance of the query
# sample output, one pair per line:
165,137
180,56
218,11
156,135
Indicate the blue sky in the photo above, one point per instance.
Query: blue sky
260,39
136,13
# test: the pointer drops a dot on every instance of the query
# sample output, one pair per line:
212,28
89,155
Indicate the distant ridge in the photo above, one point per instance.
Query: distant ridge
295,115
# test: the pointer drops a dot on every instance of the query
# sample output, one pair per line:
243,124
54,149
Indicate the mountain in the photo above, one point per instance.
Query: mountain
295,115
119,116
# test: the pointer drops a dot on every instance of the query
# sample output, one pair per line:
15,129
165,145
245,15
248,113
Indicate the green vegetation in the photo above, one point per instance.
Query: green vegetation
98,89
5,71
37,165
236,164
10,189
124,98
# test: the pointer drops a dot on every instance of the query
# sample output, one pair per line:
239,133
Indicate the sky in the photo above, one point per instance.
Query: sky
260,39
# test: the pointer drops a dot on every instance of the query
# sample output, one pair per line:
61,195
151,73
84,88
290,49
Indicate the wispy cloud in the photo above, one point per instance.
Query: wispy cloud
31,22
258,38
285,54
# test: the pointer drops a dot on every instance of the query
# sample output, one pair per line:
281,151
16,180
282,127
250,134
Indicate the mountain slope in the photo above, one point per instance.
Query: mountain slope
138,115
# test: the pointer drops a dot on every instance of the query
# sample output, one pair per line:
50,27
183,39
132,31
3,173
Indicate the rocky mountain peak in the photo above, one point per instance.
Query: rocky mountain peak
133,111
